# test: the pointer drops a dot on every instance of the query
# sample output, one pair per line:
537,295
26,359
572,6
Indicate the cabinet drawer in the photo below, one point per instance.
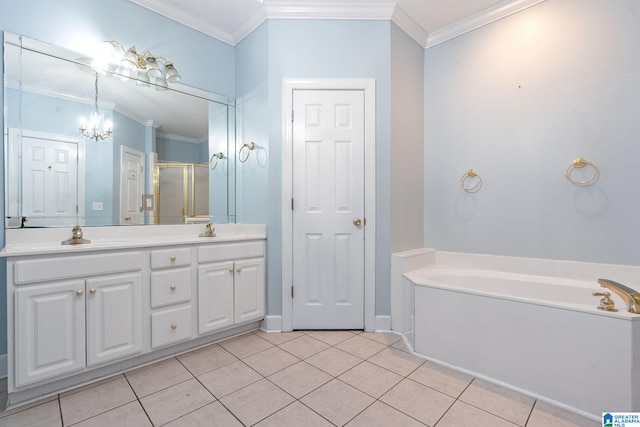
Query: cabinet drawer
173,257
170,287
223,252
170,326
54,268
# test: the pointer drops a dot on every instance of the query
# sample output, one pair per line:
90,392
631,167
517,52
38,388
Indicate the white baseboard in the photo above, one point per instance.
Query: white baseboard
3,366
383,323
271,324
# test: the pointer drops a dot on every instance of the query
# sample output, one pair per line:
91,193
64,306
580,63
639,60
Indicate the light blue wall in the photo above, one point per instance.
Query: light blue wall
179,151
77,24
518,100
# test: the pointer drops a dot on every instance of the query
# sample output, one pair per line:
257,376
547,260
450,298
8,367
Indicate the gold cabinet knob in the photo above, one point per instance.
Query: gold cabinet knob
357,222
173,287
174,326
231,270
173,258
239,270
79,292
92,291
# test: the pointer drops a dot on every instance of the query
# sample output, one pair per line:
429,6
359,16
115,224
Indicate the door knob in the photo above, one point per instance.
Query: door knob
357,222
127,218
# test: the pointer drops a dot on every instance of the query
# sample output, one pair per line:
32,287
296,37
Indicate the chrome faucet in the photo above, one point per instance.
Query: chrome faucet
628,295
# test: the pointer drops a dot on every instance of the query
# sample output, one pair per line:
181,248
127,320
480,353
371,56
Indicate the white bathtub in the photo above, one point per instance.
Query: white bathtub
534,332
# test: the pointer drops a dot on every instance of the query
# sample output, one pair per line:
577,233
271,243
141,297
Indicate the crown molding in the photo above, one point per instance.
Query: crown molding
178,14
322,10
478,20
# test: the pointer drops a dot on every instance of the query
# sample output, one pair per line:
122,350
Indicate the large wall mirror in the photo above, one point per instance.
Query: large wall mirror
169,159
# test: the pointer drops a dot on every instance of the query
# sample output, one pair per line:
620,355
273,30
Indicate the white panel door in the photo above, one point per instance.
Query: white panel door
132,187
328,209
49,332
114,317
249,290
49,182
215,296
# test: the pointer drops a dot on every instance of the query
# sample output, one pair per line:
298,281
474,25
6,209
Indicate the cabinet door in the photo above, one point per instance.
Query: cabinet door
215,296
249,290
49,331
114,317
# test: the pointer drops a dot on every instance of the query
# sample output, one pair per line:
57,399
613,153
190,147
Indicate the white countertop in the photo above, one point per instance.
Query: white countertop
48,241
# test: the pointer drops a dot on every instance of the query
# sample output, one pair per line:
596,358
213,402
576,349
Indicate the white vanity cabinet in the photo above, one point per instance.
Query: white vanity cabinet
171,285
231,285
62,326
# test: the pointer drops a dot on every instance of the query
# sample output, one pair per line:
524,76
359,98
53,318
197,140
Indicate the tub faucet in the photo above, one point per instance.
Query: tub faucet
628,295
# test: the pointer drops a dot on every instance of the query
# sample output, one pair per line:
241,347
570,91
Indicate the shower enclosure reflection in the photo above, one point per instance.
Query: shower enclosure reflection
182,193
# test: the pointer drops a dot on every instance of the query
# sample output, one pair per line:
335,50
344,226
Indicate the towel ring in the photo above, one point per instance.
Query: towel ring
249,148
580,163
469,176
218,157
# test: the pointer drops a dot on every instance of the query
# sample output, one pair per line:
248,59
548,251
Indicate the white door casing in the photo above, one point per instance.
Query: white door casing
367,86
131,186
328,209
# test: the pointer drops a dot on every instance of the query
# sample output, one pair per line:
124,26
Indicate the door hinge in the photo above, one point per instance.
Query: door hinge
365,221
292,111
291,291
291,203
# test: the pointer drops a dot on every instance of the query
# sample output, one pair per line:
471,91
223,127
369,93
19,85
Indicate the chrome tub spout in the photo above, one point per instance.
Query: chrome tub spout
629,296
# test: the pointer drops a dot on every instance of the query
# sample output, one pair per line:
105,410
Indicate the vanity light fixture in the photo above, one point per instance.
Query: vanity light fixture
129,64
96,127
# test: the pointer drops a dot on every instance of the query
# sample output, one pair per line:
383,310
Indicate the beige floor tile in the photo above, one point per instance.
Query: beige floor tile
256,402
85,387
505,403
6,413
229,378
178,400
333,361
386,338
43,415
95,400
271,361
371,379
158,376
337,402
330,337
206,359
214,414
462,414
295,415
420,402
545,415
361,347
129,415
304,346
401,345
400,362
246,345
279,337
444,379
382,415
300,379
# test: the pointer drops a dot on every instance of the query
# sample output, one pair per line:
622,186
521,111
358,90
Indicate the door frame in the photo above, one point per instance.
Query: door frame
368,86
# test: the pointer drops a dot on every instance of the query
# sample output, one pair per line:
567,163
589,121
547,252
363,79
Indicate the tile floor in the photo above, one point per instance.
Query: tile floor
311,378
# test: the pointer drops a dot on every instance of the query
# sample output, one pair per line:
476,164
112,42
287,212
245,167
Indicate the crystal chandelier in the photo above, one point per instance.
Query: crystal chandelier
96,127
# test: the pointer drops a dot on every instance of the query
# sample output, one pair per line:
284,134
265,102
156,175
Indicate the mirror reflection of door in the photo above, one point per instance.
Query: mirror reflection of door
182,191
132,187
51,180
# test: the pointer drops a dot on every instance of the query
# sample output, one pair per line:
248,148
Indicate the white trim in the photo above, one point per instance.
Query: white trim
369,88
271,324
383,323
323,10
480,19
